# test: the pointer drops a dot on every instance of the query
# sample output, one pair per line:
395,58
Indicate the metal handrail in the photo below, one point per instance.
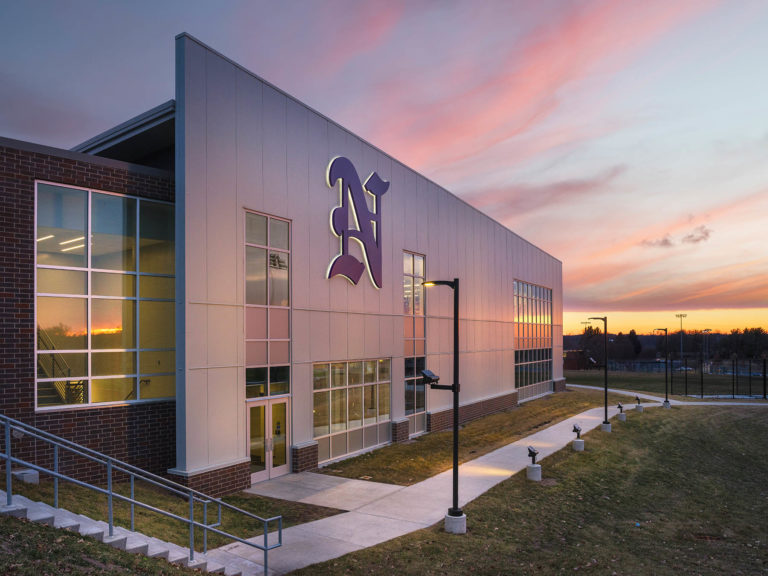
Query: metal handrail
112,465
70,391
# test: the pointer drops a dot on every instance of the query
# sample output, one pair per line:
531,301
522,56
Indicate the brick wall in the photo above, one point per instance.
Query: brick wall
400,430
444,420
559,385
142,434
304,457
220,481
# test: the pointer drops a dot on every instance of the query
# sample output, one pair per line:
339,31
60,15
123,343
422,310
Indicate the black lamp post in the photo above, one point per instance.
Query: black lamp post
666,371
606,424
454,511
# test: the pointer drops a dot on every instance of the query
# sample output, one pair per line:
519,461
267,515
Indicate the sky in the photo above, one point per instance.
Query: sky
627,139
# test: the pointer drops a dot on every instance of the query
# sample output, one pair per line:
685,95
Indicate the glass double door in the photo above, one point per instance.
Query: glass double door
268,438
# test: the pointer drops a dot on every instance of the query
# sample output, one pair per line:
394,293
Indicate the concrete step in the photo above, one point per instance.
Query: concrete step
214,567
62,518
15,510
235,565
155,550
116,541
92,528
216,562
37,512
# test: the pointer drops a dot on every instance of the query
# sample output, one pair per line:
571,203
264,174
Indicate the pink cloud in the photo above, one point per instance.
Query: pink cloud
517,200
576,42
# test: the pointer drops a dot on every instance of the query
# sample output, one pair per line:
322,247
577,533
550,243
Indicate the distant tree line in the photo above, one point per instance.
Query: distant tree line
749,343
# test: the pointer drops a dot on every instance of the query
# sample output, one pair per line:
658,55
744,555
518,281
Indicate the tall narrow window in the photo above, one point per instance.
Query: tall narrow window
414,340
533,340
267,306
105,301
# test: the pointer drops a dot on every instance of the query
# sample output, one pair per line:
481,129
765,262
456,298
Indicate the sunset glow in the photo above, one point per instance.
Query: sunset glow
627,139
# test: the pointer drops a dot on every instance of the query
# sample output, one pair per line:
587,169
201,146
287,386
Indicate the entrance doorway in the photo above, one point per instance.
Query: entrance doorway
268,439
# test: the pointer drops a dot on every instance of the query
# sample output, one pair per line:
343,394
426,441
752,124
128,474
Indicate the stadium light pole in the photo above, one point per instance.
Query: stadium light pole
706,332
455,521
666,357
606,424
681,316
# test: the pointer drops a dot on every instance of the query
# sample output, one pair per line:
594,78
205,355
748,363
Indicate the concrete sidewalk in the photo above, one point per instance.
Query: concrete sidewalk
660,398
379,512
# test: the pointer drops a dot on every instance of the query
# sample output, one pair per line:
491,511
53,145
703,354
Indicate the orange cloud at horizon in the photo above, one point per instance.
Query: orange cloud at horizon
721,320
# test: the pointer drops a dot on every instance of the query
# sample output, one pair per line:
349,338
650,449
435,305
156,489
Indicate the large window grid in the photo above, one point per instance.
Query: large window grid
267,306
104,307
533,335
351,406
414,341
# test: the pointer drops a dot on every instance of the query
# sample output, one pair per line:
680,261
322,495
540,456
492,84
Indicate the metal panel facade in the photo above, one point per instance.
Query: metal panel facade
245,145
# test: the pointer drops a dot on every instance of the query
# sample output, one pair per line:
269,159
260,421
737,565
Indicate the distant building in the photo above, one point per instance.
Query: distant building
228,288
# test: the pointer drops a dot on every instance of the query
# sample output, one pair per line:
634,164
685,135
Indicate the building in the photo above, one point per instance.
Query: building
250,302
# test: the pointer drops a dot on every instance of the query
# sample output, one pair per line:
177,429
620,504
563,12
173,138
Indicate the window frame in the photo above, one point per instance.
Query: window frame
533,334
267,306
329,389
89,297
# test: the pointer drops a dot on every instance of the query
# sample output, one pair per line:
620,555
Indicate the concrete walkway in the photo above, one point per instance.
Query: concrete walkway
657,398
379,512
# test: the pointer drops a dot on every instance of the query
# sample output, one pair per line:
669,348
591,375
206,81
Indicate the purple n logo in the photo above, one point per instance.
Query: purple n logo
366,229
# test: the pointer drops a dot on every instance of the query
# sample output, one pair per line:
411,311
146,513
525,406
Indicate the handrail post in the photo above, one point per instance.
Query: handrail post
56,477
266,547
109,497
8,475
192,527
132,506
205,530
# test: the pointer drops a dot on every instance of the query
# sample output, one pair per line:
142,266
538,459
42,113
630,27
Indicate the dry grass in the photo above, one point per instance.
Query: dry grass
669,492
428,455
93,505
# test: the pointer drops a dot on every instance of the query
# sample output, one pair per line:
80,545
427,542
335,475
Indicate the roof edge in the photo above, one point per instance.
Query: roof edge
82,157
128,129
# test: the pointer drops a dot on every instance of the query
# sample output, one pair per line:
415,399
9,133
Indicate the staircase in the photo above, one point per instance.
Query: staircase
214,561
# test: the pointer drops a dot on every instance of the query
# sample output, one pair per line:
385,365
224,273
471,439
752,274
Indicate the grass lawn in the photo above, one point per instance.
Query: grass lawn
669,492
654,383
28,549
93,505
425,456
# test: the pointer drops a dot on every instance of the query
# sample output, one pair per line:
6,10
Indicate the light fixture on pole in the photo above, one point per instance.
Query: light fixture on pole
606,426
666,371
706,332
681,316
455,520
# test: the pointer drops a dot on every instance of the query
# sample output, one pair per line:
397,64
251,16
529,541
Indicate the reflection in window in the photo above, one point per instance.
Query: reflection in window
74,314
62,215
112,324
414,339
256,275
113,232
278,279
533,334
157,238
